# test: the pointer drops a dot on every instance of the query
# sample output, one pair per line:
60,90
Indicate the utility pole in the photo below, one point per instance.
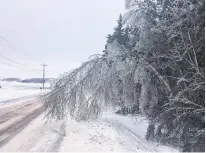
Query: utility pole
44,65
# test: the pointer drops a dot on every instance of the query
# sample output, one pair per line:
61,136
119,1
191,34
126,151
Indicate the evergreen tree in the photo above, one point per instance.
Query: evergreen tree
126,37
119,32
110,39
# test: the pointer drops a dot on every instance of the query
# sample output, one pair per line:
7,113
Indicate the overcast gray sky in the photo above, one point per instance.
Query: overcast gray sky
61,33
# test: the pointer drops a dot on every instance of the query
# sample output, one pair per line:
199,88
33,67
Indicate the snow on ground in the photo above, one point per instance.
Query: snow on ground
39,136
20,85
109,133
15,90
136,127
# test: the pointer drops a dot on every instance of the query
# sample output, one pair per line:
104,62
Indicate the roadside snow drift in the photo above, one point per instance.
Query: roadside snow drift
109,133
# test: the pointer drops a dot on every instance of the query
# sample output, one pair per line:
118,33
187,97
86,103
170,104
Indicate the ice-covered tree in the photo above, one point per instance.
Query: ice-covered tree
153,60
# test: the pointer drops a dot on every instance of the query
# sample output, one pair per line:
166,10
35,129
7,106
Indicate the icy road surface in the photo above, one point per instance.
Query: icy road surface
16,116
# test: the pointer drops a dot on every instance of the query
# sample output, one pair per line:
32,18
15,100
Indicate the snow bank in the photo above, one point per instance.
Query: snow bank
137,127
137,124
110,133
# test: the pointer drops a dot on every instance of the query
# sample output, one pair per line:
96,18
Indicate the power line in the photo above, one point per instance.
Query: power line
2,38
17,62
13,66
11,60
8,42
34,69
23,55
16,66
6,64
24,65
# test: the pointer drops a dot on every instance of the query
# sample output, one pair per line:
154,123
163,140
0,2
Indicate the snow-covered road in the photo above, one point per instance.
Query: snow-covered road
15,117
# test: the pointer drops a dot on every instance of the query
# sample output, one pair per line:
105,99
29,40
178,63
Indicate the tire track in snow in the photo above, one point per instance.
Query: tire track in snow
16,127
52,138
56,145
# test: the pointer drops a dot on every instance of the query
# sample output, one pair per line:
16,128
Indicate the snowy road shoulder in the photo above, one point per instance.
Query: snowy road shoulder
109,133
133,130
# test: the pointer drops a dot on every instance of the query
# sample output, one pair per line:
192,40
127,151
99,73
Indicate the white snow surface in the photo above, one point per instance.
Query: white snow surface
15,90
110,132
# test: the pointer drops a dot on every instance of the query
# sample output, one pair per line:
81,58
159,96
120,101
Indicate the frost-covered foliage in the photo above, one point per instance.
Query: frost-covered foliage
152,63
172,44
99,83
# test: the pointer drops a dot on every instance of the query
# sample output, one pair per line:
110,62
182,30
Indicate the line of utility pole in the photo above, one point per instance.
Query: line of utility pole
44,65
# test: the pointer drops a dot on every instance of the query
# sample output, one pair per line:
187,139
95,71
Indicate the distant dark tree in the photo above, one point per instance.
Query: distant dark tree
119,31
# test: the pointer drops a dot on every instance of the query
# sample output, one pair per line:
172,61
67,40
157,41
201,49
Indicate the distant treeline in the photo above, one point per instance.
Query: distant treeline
29,80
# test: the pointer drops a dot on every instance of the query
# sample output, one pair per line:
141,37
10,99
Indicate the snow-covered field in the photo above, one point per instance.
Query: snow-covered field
15,90
109,133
